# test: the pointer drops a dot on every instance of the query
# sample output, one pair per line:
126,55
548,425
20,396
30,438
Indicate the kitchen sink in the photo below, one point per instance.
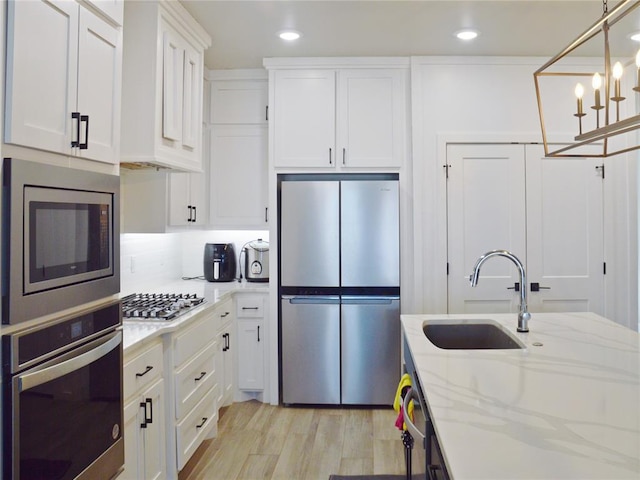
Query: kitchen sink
466,334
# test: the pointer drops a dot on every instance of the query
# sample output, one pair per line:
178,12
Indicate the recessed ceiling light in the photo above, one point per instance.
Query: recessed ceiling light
635,36
466,34
289,35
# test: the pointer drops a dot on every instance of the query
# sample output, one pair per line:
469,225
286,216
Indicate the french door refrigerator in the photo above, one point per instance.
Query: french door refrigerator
339,288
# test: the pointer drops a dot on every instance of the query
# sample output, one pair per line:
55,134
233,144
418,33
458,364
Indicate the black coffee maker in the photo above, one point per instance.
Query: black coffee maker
219,262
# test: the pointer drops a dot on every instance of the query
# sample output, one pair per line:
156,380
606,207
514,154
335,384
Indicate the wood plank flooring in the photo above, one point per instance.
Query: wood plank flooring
261,441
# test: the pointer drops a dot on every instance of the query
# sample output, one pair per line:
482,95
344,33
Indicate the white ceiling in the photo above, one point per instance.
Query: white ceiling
243,32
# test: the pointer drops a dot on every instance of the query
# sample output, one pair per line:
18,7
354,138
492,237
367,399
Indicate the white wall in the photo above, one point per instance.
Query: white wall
493,100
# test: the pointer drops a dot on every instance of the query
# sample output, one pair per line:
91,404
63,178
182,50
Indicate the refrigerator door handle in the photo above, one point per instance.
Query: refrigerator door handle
368,300
311,299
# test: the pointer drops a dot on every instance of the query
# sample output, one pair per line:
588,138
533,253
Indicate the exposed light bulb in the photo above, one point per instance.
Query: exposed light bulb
596,82
579,90
617,71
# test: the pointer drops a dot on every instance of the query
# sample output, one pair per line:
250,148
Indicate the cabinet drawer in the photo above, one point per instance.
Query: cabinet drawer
193,380
194,428
194,339
249,306
142,370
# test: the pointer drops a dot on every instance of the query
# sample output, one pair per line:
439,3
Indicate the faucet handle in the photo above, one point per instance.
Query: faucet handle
516,287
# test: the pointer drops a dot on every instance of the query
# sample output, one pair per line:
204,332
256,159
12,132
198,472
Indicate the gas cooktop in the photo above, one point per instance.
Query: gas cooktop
158,306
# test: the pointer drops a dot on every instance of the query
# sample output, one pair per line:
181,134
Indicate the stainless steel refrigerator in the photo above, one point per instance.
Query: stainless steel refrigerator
339,288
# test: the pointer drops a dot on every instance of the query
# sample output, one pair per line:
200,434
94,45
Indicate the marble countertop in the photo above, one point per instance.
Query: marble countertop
138,332
568,408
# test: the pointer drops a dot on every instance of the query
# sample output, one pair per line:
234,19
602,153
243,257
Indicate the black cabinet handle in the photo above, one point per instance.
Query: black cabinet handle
76,116
535,287
85,145
225,336
516,287
146,370
344,154
266,113
204,420
258,332
189,217
147,419
228,341
224,314
266,214
202,374
250,308
195,214
330,162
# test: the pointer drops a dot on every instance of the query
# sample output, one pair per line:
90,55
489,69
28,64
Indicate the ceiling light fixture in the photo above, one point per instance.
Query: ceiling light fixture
289,35
608,122
466,34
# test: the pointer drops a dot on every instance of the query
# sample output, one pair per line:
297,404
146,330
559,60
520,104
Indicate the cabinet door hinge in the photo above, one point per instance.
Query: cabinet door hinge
600,169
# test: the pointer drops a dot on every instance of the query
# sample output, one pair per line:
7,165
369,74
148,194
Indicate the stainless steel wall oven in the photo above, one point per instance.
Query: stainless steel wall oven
62,398
60,238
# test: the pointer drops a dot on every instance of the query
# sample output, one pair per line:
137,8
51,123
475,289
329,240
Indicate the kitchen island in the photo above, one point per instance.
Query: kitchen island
567,406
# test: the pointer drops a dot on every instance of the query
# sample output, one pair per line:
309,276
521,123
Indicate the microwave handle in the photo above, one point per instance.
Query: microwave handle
71,361
417,435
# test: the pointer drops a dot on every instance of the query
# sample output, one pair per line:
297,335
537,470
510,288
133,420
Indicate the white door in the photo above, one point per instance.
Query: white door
565,241
486,211
304,122
555,229
99,85
41,76
370,114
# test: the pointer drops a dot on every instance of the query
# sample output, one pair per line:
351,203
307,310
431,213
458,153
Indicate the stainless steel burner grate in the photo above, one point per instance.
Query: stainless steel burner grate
158,306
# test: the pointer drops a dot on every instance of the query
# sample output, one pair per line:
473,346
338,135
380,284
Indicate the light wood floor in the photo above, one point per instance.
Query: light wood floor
261,441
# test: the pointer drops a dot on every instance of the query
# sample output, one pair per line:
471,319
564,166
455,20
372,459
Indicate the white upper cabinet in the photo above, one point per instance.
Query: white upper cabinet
339,118
163,86
238,102
63,88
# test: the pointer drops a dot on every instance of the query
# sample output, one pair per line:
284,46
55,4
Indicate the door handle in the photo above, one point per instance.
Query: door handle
516,287
76,116
535,287
147,419
85,145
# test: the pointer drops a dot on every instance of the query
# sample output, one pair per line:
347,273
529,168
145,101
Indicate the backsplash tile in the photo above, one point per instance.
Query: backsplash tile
150,260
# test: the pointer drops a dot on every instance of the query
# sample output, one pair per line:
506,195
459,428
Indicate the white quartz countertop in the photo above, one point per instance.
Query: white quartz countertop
137,332
567,409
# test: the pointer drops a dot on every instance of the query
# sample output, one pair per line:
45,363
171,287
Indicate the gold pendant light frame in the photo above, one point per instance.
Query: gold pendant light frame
598,124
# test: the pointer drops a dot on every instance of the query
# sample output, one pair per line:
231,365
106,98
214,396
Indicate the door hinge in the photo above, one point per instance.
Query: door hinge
446,170
600,169
604,268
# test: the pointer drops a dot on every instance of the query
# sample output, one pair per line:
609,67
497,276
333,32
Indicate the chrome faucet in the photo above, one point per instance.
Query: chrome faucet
523,315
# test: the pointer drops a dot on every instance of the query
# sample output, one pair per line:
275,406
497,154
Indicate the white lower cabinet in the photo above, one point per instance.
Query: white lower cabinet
226,350
251,313
144,414
190,356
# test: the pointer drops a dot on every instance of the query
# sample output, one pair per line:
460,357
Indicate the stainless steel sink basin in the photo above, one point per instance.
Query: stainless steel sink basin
469,335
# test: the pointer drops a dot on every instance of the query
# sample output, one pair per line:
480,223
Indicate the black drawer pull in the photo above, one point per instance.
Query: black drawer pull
147,370
250,308
224,314
202,374
204,420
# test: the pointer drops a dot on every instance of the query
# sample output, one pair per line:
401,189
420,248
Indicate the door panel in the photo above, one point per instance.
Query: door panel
556,229
310,237
486,204
565,250
311,350
370,239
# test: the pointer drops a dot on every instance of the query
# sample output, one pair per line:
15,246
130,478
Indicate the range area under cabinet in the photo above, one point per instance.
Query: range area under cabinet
179,373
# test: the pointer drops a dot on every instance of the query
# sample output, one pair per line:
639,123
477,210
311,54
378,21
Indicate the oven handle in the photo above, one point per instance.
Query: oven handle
417,435
69,362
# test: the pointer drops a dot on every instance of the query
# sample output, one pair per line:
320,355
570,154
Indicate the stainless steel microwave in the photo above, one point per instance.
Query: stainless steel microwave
60,238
